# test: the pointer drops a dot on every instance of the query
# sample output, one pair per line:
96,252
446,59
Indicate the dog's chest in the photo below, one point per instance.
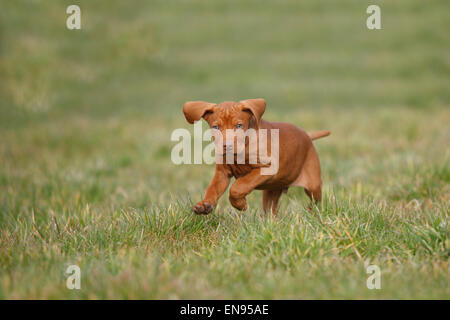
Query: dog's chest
239,170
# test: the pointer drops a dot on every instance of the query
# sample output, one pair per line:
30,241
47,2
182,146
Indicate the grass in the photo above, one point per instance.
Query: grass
86,176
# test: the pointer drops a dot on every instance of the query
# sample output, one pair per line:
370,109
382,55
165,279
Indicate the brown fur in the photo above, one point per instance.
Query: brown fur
298,160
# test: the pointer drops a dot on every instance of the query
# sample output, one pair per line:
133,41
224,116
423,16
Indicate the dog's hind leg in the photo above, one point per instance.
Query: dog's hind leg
315,194
309,177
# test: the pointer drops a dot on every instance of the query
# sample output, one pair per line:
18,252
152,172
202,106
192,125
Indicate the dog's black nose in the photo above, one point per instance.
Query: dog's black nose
227,147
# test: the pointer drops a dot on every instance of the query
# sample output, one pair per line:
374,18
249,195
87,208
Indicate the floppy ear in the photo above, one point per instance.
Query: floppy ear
256,107
194,110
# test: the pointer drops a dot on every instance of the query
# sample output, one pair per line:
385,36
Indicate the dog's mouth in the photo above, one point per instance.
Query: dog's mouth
225,153
234,150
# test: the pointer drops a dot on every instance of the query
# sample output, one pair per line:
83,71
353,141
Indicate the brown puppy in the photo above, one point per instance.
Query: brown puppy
298,162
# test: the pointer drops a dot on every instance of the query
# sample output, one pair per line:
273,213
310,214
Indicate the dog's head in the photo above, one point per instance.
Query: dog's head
231,119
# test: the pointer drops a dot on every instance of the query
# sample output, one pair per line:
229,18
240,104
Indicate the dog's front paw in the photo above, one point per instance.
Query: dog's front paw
203,207
239,203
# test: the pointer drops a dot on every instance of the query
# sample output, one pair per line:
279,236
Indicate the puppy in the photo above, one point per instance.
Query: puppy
296,162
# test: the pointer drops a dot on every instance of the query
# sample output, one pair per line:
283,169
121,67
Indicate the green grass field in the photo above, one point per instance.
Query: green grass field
86,176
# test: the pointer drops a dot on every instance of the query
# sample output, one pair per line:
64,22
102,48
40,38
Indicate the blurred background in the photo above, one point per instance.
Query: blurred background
86,115
148,57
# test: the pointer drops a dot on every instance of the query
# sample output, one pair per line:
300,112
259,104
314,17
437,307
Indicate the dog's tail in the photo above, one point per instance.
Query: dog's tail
318,134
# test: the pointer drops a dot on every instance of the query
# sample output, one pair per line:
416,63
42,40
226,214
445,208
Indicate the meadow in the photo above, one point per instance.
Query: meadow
86,176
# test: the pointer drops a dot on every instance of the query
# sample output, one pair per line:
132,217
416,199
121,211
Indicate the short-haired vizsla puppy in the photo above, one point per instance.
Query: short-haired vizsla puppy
298,162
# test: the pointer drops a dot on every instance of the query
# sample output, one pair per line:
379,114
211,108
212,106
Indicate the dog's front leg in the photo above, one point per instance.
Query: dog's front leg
244,185
216,188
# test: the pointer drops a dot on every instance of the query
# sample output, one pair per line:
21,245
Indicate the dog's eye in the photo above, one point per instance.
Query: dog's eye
215,127
239,126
